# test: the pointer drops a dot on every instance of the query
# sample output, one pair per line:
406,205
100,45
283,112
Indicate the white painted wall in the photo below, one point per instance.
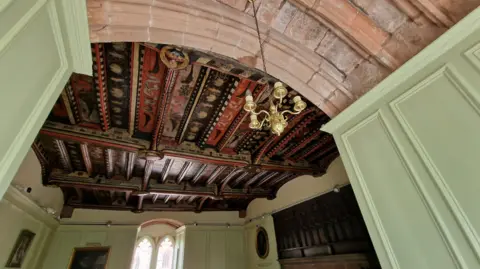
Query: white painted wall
157,231
214,247
300,189
29,175
253,261
120,239
126,217
17,212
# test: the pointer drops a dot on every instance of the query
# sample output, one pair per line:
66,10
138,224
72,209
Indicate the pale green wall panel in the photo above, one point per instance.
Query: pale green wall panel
411,149
37,56
120,239
212,247
17,212
253,261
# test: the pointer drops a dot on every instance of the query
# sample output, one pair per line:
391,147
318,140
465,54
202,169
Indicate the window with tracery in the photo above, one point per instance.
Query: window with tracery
143,254
149,256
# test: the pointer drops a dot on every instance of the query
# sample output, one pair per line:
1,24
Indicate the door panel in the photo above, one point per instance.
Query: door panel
411,148
35,63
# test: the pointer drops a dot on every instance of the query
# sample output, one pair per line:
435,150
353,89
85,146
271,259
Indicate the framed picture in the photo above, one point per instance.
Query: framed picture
89,258
20,249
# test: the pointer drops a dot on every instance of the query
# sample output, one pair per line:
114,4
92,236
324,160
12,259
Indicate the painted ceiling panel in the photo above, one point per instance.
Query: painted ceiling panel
162,128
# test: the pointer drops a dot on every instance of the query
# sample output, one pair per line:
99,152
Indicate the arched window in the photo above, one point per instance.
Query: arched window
165,253
143,254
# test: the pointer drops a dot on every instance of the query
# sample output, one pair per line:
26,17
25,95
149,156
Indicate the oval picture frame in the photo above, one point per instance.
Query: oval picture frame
261,243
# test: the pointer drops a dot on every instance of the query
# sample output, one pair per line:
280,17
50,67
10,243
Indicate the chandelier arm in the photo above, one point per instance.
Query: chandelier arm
290,112
262,111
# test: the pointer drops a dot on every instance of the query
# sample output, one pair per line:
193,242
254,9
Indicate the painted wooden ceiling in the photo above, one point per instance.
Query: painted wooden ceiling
162,128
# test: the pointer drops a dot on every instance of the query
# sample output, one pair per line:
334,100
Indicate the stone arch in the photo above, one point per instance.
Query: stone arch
170,222
331,51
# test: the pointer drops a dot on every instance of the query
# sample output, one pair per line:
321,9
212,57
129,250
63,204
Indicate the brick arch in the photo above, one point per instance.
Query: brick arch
331,51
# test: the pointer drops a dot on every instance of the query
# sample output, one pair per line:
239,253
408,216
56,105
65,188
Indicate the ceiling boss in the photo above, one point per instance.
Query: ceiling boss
274,118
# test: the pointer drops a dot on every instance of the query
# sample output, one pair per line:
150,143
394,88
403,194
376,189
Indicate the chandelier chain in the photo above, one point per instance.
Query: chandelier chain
259,36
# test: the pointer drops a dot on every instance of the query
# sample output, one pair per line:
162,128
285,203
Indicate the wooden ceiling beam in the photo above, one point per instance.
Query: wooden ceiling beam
265,179
240,179
215,174
165,99
86,158
200,204
166,169
303,143
63,154
139,208
305,152
192,103
108,162
199,174
99,74
213,160
254,178
155,198
191,199
132,157
278,179
147,172
186,166
319,153
257,91
306,118
229,177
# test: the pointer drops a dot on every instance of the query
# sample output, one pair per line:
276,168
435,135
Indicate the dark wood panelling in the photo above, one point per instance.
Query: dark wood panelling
328,225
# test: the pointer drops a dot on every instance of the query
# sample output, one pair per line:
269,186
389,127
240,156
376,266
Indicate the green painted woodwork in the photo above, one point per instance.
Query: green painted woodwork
212,247
411,149
120,239
24,214
41,43
253,261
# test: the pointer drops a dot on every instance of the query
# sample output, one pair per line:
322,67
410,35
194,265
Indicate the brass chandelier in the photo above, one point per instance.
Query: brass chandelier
274,118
